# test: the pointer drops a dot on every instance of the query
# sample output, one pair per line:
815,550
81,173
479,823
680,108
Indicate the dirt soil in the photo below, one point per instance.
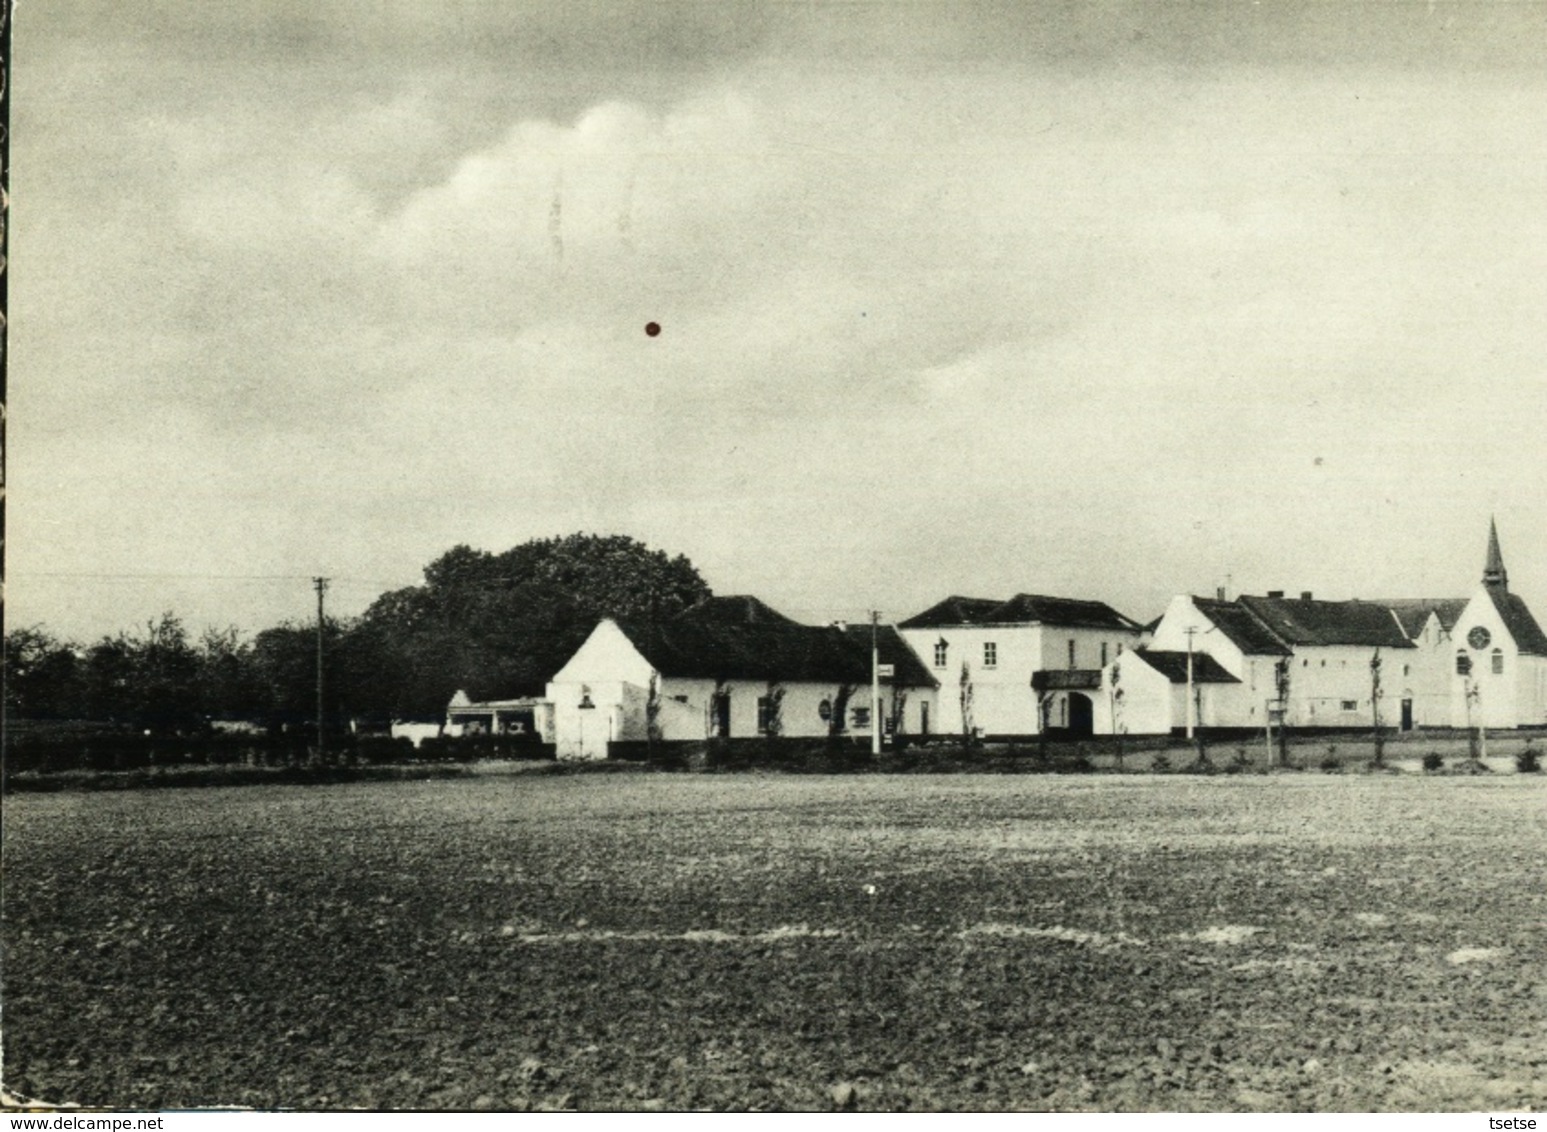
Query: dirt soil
1309,942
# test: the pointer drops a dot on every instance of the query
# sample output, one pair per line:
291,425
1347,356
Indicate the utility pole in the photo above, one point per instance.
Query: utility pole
875,686
321,585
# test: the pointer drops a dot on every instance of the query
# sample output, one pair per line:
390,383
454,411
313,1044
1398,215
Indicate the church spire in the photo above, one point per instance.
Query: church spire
1494,573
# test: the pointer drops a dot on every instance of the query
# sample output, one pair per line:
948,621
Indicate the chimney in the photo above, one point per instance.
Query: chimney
1305,595
1275,593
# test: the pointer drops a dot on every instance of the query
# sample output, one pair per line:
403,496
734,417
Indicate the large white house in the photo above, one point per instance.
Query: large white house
1411,662
1019,667
731,667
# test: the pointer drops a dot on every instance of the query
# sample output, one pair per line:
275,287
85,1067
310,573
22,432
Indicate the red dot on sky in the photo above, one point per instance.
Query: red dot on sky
652,328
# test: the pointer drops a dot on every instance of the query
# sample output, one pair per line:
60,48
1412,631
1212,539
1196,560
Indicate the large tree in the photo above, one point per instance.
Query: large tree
499,625
44,676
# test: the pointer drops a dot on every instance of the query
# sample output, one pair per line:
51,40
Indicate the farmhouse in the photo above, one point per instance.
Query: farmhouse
1414,662
731,667
1018,667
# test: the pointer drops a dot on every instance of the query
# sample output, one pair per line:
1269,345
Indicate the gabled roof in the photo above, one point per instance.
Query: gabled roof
1412,612
1173,666
741,638
953,610
1241,627
1307,622
1517,618
1022,609
908,669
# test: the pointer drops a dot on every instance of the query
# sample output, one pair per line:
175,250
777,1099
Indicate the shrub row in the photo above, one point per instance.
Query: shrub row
118,750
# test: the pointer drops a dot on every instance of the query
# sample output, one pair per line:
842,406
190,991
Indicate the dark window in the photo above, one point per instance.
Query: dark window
940,651
1463,663
763,707
1071,652
990,654
860,716
1350,705
1498,662
1103,654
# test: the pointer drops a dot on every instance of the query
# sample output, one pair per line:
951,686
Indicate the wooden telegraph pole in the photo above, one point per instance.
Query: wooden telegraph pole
321,585
875,686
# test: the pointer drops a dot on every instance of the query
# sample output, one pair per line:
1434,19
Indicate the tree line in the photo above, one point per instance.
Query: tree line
496,625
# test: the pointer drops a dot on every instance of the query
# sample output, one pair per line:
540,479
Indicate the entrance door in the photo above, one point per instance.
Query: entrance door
1081,714
722,715
923,719
1407,715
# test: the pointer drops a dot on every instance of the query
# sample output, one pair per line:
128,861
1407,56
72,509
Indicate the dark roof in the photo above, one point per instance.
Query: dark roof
1528,635
1063,611
1173,666
1307,622
908,669
740,638
1241,627
953,611
1412,612
1022,609
740,609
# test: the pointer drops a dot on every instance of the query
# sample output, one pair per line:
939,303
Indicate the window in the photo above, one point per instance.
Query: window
1463,663
990,654
1498,662
1407,669
1119,648
923,719
1350,705
1071,652
860,717
940,650
680,699
764,707
1103,654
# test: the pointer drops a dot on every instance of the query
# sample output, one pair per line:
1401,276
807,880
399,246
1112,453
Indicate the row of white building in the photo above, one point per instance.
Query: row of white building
731,667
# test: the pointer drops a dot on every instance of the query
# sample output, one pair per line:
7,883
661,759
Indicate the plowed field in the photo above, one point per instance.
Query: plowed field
652,941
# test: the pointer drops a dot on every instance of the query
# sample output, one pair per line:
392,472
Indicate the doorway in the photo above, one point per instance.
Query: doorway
1082,714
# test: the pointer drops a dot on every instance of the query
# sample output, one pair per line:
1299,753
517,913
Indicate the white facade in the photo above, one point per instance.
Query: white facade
603,694
1504,687
1329,685
1000,661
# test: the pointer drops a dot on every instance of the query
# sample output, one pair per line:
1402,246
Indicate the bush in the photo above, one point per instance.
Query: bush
1528,761
1433,761
1241,763
1331,764
1161,764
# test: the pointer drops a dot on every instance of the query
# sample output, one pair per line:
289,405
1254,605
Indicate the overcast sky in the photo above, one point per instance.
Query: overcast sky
1108,301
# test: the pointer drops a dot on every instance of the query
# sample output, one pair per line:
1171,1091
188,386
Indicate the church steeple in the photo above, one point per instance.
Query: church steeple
1494,573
